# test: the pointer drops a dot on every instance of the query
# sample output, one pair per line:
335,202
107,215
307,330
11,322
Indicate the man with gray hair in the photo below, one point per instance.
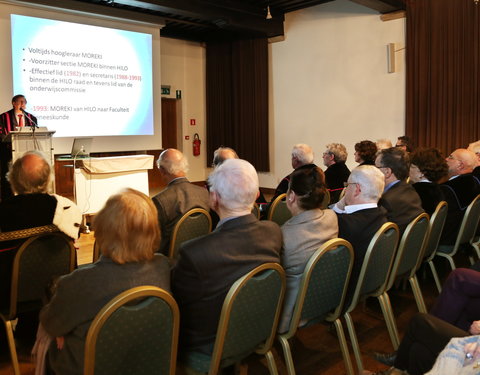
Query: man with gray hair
178,197
302,158
359,216
209,265
337,172
31,206
475,148
221,154
459,191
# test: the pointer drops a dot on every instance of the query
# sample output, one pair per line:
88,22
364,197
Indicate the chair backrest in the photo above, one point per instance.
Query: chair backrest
249,317
469,225
135,333
376,264
256,210
38,261
410,250
96,252
326,200
437,222
194,223
324,284
278,211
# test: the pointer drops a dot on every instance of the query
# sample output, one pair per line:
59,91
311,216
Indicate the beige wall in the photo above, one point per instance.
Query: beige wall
183,68
329,82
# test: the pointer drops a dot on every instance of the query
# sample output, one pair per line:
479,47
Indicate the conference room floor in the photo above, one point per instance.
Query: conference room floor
315,349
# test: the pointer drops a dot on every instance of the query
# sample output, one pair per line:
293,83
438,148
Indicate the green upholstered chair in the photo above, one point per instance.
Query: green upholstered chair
326,200
466,234
96,252
437,222
372,280
278,211
194,223
248,321
256,210
135,333
321,295
406,263
45,254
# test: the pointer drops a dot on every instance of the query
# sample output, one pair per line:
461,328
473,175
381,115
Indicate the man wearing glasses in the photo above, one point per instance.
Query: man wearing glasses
399,198
459,191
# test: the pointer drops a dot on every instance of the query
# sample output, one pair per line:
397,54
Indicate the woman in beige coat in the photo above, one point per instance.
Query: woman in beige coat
305,232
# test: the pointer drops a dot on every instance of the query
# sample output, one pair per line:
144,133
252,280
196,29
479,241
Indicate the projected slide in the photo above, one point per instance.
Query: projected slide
83,80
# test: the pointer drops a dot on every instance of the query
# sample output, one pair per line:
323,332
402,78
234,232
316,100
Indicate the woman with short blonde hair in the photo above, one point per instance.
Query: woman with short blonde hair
128,234
126,229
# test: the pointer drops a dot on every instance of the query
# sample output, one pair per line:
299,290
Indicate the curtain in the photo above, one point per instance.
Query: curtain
442,101
237,99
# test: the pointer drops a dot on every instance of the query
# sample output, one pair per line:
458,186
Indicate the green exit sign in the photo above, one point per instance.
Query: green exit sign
165,90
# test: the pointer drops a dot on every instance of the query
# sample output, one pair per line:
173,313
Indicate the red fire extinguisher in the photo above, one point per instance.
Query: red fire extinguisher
196,145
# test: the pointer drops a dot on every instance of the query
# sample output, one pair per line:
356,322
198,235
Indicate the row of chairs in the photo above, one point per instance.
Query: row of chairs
321,296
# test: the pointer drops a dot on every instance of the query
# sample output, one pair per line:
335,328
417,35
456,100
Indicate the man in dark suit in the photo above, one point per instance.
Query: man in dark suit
360,218
302,158
16,117
337,172
400,199
178,197
459,191
209,265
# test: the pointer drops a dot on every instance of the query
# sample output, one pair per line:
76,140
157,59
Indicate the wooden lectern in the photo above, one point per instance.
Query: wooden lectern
28,139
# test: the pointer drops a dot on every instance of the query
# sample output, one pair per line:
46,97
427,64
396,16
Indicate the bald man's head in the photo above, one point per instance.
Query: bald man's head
173,163
29,174
461,161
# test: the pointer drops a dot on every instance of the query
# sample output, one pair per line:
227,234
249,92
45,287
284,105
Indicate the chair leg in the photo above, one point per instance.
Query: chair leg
477,249
287,354
435,276
417,293
13,349
272,367
387,311
344,346
354,340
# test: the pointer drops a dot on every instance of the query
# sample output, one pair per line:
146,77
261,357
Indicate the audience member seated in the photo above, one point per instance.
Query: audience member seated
399,198
178,197
209,265
359,216
459,301
128,234
337,172
305,232
459,191
302,158
427,168
223,153
31,206
454,314
365,152
405,143
383,144
426,336
475,148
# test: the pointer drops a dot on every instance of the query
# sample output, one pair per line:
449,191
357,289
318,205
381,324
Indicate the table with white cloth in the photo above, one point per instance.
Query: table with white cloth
96,179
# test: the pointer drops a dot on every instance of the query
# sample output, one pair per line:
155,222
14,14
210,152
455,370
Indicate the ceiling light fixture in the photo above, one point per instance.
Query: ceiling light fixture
269,15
